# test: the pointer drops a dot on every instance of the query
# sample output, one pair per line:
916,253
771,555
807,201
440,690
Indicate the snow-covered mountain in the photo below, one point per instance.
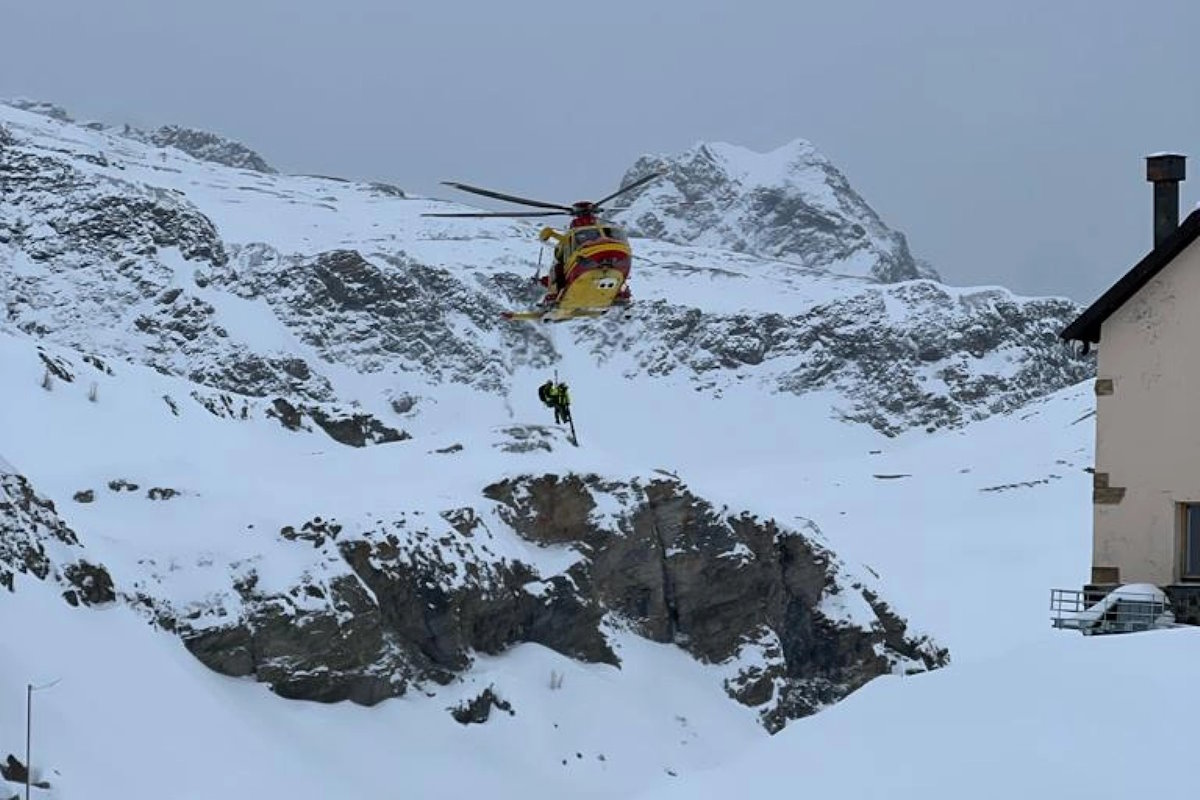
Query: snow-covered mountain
280,419
183,264
790,204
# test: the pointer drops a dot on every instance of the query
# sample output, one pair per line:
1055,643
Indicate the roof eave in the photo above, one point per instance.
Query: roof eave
1086,327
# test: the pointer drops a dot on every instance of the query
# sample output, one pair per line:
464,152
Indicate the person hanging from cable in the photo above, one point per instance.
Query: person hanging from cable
557,397
562,403
546,393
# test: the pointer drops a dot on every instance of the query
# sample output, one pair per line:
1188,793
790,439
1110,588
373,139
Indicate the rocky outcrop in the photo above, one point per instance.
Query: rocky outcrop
409,602
207,146
478,709
29,523
201,145
35,541
389,311
913,355
56,212
46,109
790,204
348,428
718,585
14,771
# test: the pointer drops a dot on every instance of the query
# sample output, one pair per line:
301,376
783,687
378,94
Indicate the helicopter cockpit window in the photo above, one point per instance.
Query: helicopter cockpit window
585,236
614,233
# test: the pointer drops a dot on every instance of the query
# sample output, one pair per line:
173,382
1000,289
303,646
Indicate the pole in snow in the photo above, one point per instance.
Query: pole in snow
29,690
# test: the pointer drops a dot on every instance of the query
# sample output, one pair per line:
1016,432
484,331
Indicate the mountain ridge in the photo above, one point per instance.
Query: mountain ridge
789,203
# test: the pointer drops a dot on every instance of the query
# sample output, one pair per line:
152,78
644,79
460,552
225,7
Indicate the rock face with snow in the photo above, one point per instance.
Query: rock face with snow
790,204
209,147
42,107
408,602
198,144
915,355
388,311
35,541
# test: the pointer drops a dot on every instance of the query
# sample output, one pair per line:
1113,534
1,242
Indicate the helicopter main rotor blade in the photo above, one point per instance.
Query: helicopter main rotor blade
634,185
501,214
509,197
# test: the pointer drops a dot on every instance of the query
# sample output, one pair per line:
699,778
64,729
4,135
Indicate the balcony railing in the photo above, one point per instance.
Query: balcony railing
1122,610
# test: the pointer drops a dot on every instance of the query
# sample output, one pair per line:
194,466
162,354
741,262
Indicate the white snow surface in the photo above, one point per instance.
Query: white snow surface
1067,716
962,532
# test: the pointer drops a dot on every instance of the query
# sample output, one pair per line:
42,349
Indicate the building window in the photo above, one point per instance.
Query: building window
1191,541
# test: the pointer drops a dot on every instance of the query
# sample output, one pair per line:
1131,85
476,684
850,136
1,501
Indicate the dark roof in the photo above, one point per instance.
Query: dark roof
1086,328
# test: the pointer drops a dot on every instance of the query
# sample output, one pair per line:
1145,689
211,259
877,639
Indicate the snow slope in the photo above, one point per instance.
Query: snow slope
1065,716
136,716
929,536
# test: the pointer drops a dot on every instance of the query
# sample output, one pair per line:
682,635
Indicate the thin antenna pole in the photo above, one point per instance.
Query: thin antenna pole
29,689
28,735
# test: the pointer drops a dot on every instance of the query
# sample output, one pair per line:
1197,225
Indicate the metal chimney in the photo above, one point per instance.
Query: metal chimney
1165,171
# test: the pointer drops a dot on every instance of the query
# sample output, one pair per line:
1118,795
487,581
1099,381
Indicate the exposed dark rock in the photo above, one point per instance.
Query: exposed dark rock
204,146
14,771
84,496
120,484
218,404
355,429
226,650
29,524
317,531
92,583
478,709
712,583
161,493
98,364
57,367
329,656
288,415
46,109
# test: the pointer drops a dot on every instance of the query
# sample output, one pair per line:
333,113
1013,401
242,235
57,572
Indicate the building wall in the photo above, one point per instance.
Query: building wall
1148,426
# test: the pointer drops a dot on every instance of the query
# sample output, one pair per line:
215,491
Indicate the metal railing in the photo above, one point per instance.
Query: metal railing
1118,611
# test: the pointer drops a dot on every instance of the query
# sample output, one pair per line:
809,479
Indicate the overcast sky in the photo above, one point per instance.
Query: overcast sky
1006,139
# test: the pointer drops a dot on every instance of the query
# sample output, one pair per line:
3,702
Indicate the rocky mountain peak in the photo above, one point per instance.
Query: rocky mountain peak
198,144
205,146
790,204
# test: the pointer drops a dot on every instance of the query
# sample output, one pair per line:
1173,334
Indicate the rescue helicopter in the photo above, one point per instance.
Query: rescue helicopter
592,257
